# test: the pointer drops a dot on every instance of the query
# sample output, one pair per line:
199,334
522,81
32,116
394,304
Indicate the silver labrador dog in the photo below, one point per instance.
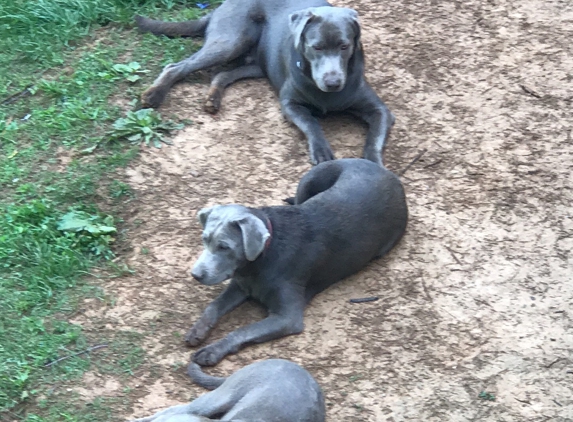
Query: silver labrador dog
310,51
346,213
271,390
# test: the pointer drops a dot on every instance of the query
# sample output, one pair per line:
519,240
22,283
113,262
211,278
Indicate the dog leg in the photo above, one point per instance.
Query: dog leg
229,34
302,118
223,79
212,54
380,120
287,320
208,405
231,297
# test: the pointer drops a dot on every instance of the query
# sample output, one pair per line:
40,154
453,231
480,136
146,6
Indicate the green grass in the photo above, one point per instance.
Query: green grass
73,62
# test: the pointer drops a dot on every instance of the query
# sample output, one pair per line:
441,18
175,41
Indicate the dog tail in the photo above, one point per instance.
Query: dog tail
192,28
201,378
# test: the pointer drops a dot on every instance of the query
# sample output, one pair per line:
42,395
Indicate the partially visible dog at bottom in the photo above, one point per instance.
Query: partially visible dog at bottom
346,213
270,390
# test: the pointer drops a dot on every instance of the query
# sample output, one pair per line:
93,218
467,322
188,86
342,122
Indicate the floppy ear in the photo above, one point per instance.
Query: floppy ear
297,22
203,215
353,17
255,235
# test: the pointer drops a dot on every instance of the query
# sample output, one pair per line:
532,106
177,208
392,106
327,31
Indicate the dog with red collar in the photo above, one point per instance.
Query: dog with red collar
345,213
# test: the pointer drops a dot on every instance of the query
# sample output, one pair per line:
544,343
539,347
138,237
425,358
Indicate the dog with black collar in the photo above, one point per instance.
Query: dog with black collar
346,213
310,51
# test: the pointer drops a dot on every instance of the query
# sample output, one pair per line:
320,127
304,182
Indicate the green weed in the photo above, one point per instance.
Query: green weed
145,126
119,189
484,395
93,233
131,72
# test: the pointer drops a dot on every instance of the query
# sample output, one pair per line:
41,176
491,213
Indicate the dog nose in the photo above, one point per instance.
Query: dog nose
333,84
197,276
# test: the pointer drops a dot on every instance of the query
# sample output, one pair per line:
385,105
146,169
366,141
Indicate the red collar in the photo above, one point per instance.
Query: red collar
270,229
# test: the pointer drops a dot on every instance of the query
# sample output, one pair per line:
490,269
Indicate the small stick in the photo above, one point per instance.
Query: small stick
435,163
364,299
16,96
90,349
426,290
14,415
454,256
416,158
553,363
530,91
557,403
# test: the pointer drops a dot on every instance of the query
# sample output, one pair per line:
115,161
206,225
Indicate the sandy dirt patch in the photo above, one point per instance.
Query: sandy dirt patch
478,295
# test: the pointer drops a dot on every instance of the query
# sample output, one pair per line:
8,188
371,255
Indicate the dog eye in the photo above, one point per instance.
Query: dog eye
344,47
317,47
223,247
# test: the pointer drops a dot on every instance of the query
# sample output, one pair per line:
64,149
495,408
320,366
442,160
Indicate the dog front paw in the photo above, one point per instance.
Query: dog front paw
321,154
153,97
197,334
213,101
210,355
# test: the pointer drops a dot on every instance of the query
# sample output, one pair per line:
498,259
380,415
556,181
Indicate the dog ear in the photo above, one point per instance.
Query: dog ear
353,17
255,235
203,215
297,22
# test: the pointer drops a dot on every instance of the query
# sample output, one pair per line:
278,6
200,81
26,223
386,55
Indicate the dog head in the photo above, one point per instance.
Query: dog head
327,38
232,236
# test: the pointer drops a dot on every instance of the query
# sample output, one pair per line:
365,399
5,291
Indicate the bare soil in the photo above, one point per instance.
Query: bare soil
478,296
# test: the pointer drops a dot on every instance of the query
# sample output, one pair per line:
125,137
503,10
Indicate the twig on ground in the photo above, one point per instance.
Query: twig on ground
530,91
364,299
14,415
454,256
15,97
90,349
416,158
435,163
426,291
483,302
553,363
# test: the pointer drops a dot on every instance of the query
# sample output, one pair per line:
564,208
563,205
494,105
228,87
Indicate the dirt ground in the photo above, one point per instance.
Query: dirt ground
478,295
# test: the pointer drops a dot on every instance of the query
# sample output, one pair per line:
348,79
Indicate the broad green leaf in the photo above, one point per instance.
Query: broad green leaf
72,222
98,229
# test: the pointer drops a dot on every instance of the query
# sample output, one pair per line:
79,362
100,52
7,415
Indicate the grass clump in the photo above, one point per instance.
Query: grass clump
68,71
42,255
43,30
